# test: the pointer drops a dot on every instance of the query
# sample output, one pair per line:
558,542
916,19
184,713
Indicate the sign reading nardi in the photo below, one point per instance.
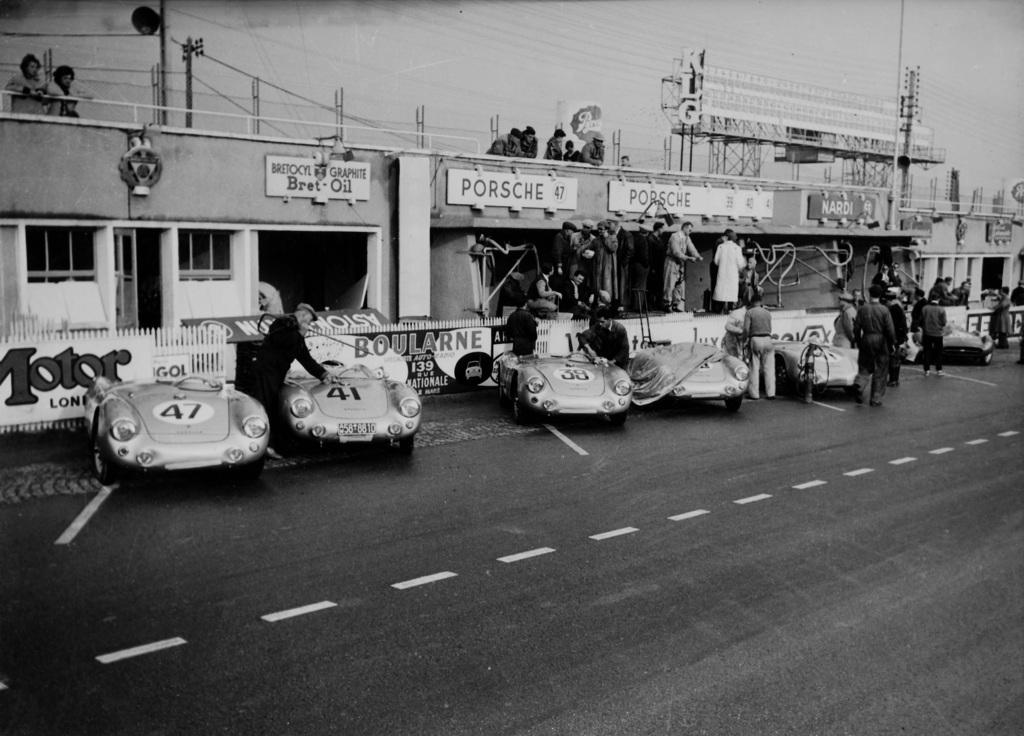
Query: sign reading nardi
292,176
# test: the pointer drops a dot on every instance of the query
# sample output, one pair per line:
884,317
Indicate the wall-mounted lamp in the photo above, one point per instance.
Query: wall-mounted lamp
553,174
515,172
824,194
320,197
874,225
860,222
1018,221
843,222
479,171
936,217
823,221
758,188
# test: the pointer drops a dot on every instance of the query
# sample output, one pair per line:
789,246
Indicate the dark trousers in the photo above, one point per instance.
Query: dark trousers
931,351
873,365
895,359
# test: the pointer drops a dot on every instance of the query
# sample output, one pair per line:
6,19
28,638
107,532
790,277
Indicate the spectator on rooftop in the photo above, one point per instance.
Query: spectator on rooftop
571,154
30,88
554,147
529,142
64,86
593,152
624,161
507,145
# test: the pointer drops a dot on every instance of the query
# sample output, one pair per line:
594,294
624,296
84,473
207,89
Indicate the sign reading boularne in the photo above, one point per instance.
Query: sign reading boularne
292,176
46,381
496,189
632,196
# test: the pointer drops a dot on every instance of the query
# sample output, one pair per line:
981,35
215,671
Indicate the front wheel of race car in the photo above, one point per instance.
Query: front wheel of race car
782,384
252,471
520,414
103,470
985,359
734,403
618,419
406,445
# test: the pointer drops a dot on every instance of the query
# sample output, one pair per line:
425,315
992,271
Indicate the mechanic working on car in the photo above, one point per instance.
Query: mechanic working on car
606,340
285,342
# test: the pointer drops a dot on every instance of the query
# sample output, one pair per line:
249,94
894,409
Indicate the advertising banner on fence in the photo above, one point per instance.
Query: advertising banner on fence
246,329
46,381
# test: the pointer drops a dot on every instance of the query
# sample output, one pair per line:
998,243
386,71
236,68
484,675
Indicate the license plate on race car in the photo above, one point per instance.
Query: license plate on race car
356,432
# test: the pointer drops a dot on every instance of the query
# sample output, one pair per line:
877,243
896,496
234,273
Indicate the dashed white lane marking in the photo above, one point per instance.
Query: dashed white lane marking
565,439
526,555
902,460
292,612
689,515
810,484
751,499
615,533
860,471
965,378
940,451
144,649
1011,433
827,406
976,442
83,518
424,580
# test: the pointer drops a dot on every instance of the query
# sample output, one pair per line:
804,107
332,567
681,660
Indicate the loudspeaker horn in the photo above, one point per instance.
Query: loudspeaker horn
146,20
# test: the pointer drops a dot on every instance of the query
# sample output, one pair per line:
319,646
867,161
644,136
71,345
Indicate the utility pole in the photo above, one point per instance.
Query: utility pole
188,50
896,138
163,64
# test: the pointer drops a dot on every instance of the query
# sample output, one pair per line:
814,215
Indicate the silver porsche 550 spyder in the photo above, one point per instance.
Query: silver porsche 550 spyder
363,406
195,422
562,385
832,367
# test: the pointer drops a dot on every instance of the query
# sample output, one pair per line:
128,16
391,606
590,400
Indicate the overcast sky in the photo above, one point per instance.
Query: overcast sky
467,62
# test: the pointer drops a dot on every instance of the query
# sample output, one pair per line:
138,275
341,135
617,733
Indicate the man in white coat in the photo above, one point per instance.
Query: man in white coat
729,259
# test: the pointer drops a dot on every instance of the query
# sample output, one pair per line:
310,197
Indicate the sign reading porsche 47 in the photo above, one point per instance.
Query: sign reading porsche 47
634,196
293,176
519,191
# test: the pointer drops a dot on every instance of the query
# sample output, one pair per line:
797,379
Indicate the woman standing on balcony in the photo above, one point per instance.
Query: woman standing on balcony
30,89
62,88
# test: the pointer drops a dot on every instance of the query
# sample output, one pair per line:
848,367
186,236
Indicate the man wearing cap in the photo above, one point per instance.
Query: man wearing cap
583,250
593,152
554,147
529,142
876,337
285,342
843,326
899,324
559,252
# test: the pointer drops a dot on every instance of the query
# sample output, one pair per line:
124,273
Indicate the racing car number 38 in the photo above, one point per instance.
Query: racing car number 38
573,374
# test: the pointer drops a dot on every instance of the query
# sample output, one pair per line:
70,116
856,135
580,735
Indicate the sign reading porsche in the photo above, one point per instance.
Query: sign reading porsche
517,191
634,196
292,176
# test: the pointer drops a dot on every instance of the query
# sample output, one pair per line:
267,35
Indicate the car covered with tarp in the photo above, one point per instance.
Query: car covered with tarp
687,371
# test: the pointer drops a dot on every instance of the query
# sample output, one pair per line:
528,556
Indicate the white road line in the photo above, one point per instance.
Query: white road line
526,555
833,408
941,451
751,499
810,484
1011,433
902,460
565,439
616,533
83,518
291,613
144,649
976,442
689,515
965,378
861,471
424,580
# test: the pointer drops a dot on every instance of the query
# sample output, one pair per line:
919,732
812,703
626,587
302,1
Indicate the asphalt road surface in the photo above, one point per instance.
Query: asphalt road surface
788,569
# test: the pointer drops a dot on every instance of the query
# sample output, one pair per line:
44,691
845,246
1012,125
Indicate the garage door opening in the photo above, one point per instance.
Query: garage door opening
325,269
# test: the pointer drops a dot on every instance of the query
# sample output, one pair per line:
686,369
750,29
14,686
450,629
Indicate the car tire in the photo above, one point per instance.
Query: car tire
252,471
985,359
782,385
502,398
102,469
406,445
734,403
520,414
618,419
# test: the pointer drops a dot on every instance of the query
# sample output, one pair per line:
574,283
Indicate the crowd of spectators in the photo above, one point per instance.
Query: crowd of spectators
34,95
523,144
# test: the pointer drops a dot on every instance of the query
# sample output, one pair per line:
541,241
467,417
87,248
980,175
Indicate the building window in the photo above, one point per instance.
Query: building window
204,255
55,254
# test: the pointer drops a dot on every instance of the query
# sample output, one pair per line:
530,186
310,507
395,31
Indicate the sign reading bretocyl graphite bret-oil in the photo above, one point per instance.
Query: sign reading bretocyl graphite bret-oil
292,176
432,361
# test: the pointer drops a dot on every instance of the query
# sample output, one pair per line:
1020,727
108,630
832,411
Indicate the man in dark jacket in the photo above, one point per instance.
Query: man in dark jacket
875,335
640,266
606,340
521,328
899,323
285,342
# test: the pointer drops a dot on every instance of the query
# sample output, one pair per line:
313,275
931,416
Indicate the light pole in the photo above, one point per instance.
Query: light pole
188,50
896,137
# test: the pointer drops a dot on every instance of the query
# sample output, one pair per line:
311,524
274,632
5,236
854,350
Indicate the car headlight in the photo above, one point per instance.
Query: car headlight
622,388
742,372
535,385
302,407
409,407
123,430
254,427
